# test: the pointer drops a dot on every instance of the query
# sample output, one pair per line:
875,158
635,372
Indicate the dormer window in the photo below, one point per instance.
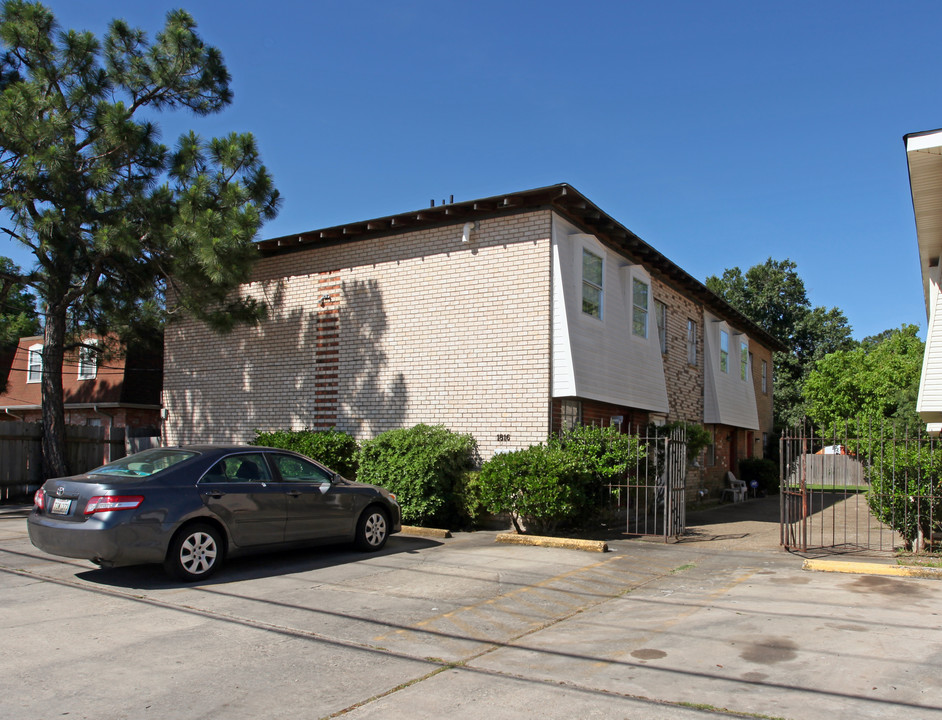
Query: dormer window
639,308
724,351
591,284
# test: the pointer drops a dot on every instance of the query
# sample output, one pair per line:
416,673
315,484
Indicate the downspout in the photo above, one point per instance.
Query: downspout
107,457
6,411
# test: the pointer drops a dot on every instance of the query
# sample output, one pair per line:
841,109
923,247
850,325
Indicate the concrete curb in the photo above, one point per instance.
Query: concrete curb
862,568
425,532
565,543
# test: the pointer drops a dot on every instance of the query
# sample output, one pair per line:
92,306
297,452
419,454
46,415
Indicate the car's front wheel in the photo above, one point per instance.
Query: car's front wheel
372,529
195,553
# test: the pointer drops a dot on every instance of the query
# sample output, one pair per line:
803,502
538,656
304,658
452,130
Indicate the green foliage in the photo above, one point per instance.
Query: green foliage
773,296
763,470
604,453
335,449
18,317
905,486
540,487
422,465
561,482
469,500
697,437
125,232
878,380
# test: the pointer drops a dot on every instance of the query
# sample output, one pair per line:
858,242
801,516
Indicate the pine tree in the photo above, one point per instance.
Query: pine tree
124,231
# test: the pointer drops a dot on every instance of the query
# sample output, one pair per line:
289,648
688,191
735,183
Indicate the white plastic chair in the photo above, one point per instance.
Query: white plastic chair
737,489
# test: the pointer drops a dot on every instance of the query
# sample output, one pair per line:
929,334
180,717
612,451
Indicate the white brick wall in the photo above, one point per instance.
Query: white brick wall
430,330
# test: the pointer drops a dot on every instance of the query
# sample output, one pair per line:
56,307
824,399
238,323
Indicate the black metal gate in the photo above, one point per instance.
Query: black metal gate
652,500
865,490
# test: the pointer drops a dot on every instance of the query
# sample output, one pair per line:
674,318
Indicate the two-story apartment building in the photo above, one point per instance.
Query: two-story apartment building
509,318
122,391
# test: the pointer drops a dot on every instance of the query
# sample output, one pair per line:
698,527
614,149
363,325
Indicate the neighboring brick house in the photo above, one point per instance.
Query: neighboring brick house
119,392
507,318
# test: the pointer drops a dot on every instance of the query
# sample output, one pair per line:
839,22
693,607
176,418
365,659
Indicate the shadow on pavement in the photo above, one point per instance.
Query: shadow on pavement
254,566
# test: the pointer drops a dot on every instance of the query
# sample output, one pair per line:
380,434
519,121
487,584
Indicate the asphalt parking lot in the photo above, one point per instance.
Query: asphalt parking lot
468,628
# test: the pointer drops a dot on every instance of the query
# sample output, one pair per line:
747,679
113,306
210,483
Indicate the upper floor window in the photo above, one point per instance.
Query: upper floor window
639,303
591,284
34,364
692,342
743,360
765,377
724,351
88,360
660,317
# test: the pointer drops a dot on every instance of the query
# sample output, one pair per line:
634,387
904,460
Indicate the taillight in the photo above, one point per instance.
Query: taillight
107,503
39,499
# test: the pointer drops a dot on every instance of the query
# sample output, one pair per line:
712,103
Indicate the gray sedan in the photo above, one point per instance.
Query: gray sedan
191,507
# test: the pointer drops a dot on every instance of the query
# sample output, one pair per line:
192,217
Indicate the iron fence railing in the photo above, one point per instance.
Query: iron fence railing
860,487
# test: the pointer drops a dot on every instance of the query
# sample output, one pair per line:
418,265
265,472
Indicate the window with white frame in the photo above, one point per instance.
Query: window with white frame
692,342
639,304
88,360
660,317
34,364
765,377
724,351
591,284
743,360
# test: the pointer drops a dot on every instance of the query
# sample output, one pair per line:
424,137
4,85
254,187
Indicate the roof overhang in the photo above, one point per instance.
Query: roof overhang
563,199
924,158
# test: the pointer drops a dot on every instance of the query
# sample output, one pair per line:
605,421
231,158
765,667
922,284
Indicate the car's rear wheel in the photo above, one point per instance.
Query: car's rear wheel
372,529
195,553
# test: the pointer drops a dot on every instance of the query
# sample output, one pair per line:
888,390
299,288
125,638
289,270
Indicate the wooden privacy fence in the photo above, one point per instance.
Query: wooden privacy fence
21,469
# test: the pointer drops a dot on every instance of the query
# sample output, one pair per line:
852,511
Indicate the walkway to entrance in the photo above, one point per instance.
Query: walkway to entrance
750,525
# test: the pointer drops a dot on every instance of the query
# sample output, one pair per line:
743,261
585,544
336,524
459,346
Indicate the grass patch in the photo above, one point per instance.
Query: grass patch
850,489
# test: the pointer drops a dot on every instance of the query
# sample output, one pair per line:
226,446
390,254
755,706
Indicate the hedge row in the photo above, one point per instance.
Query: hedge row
430,469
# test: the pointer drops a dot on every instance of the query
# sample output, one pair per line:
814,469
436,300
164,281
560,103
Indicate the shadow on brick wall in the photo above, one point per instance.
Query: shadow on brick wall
371,401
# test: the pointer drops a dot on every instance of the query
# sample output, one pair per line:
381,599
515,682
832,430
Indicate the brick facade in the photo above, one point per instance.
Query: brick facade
684,381
378,334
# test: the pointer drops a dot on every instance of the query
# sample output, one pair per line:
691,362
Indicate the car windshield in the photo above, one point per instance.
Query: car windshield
144,464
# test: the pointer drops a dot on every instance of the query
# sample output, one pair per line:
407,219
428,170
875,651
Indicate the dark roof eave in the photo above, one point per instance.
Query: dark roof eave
561,198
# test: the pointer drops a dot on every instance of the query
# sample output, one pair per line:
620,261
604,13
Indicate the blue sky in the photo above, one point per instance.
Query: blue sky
722,133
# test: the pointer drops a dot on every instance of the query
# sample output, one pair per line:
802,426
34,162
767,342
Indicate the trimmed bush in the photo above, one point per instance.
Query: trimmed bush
561,483
422,465
539,487
335,449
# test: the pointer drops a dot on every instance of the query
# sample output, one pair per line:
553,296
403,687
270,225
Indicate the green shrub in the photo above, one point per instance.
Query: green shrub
422,465
335,449
539,487
604,453
469,501
906,489
762,470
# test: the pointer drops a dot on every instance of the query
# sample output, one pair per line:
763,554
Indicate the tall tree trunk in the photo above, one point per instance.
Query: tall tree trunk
54,457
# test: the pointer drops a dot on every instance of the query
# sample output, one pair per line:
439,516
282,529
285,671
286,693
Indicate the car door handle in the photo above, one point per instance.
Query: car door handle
294,493
214,493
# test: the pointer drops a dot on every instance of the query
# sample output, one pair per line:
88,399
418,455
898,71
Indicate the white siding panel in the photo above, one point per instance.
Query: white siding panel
564,379
727,398
604,361
929,403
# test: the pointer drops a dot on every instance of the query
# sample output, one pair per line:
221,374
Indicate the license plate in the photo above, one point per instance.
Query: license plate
60,506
